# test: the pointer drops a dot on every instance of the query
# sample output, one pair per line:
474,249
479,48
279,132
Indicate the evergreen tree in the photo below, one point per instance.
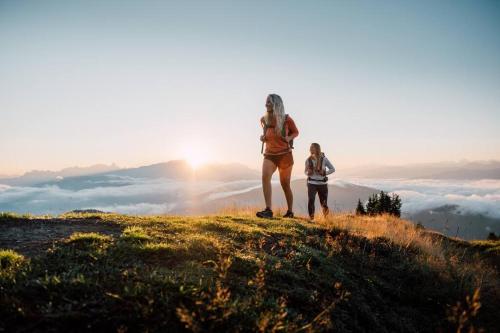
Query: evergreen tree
360,209
370,206
381,203
492,236
386,203
395,205
376,204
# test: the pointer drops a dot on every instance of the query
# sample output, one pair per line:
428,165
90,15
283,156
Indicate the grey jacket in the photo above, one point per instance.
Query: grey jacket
316,178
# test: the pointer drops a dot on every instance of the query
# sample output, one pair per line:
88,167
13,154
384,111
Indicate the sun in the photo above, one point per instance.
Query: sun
195,161
196,156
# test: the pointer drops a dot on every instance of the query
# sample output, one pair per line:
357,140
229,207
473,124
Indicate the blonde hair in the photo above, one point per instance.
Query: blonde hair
278,112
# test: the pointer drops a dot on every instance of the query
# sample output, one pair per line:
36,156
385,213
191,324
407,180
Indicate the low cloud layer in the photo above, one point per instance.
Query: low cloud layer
141,208
476,197
138,196
163,196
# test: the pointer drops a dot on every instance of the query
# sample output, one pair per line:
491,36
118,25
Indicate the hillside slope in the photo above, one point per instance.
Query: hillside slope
237,273
344,198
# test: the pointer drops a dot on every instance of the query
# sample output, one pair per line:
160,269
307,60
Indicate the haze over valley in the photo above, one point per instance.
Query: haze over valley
466,207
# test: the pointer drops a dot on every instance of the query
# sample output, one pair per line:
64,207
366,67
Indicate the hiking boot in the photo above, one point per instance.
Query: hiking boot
311,218
289,214
265,214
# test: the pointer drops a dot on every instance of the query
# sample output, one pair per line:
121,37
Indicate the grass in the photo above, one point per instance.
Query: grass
234,272
488,246
8,216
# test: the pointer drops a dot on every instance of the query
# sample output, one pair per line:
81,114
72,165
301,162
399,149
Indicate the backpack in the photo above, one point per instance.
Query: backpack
283,133
311,166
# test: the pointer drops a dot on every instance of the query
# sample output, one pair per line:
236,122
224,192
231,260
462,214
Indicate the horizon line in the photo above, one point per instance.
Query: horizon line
211,163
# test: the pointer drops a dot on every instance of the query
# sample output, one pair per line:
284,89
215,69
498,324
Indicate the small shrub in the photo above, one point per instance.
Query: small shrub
88,237
10,259
88,241
134,235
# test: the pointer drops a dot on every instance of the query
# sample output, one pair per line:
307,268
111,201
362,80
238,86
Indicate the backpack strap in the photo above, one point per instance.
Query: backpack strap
310,163
284,132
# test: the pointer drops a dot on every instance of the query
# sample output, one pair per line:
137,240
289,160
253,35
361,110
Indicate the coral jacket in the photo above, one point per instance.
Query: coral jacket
275,143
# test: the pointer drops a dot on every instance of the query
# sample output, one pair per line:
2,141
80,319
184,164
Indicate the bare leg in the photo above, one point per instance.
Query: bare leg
268,169
285,177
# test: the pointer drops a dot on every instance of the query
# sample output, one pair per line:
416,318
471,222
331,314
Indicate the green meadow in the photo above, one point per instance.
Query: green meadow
236,273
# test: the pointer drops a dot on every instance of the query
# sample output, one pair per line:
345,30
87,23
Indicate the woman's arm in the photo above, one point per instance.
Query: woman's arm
329,166
263,125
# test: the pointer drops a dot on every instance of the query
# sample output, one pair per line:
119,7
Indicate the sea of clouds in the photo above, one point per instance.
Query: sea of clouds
124,195
472,196
162,196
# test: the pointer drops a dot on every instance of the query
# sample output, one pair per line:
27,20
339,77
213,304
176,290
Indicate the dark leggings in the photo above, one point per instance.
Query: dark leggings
322,191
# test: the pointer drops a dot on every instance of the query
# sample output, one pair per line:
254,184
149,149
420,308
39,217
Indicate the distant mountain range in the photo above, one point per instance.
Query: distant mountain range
443,170
179,169
452,221
98,175
39,176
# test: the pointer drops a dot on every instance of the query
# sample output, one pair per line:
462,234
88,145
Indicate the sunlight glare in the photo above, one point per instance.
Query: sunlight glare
196,156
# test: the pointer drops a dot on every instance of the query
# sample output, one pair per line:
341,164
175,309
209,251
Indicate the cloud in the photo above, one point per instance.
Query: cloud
474,196
161,196
142,208
4,187
220,195
339,183
138,196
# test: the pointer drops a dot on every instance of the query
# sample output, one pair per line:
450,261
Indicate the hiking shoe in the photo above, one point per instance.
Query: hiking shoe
289,214
265,214
311,218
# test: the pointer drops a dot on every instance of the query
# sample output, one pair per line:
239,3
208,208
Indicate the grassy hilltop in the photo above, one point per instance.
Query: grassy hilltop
107,272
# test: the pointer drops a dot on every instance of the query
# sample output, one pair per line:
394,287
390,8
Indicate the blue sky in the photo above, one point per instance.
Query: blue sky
139,82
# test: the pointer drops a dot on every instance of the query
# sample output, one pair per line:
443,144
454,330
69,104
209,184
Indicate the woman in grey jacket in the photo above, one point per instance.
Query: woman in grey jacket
317,169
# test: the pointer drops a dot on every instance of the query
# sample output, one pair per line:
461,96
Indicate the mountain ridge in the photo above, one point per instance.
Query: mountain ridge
442,170
174,169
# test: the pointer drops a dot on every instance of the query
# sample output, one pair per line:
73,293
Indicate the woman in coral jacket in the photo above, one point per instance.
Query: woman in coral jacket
279,132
